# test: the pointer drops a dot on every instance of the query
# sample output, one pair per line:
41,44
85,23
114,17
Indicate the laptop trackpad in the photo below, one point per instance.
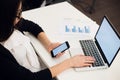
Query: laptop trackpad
76,51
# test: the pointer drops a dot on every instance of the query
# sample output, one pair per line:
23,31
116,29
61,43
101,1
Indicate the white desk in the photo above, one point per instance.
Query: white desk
50,18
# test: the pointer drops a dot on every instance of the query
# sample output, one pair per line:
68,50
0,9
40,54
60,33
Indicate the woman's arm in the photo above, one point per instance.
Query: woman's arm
28,26
11,70
37,31
76,61
44,39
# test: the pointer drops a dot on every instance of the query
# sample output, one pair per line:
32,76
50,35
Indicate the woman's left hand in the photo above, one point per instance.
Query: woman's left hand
52,46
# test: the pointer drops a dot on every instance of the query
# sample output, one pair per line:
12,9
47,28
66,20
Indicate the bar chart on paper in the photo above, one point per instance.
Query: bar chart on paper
76,29
73,26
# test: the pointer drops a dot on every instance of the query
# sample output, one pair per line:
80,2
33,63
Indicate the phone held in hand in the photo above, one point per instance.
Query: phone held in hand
61,48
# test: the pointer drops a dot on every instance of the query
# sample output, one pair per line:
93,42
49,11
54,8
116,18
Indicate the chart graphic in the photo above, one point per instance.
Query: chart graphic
77,29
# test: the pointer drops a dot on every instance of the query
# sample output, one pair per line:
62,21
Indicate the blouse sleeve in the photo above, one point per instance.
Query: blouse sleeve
11,70
29,26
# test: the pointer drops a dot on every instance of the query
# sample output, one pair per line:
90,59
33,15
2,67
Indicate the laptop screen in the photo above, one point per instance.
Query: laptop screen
108,40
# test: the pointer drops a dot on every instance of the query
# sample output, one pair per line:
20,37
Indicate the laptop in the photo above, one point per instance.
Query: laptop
104,47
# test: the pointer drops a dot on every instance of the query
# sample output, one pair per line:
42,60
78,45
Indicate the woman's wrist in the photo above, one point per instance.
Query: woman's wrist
69,63
59,68
49,47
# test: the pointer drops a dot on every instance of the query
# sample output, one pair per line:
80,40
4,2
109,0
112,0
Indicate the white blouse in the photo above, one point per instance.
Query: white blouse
20,47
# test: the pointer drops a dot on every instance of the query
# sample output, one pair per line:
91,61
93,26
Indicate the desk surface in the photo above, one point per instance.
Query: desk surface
50,18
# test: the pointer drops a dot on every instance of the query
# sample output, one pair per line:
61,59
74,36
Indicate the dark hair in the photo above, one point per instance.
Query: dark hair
8,12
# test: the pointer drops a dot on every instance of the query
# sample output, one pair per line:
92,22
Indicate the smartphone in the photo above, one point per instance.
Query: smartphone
61,48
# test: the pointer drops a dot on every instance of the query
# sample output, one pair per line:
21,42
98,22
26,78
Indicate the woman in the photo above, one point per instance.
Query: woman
18,44
17,57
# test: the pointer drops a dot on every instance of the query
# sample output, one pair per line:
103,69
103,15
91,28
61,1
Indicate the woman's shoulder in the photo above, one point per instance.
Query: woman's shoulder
5,54
16,39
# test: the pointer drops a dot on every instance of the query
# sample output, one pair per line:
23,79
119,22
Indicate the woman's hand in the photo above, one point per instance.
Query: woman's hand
76,61
52,46
81,61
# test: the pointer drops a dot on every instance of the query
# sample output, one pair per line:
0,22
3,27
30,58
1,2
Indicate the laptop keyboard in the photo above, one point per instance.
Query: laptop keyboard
90,49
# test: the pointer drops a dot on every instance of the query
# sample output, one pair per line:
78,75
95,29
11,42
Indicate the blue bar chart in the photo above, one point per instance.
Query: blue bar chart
77,29
71,26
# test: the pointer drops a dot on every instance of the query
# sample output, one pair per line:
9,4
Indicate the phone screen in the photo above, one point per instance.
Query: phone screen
60,49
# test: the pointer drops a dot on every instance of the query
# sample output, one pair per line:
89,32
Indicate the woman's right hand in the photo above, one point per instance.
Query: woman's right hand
81,61
76,61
